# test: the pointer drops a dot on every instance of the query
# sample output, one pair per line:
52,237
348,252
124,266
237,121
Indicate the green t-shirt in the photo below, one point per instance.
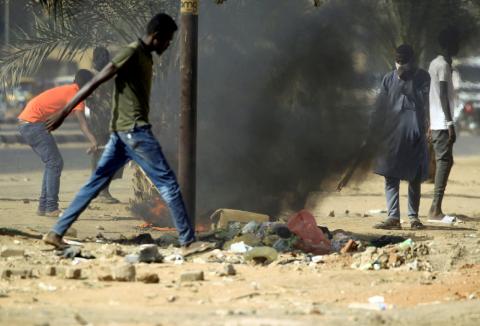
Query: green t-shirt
132,87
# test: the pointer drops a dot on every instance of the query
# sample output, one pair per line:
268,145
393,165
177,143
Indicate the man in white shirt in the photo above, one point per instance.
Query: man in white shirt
442,129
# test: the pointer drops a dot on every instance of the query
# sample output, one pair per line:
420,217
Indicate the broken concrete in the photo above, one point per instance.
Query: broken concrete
148,278
124,273
73,273
11,252
149,254
192,276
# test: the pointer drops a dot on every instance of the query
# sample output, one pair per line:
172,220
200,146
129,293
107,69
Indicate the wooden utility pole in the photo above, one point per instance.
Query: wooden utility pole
188,103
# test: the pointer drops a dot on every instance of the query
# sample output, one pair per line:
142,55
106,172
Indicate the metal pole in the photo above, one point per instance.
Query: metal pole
188,103
7,22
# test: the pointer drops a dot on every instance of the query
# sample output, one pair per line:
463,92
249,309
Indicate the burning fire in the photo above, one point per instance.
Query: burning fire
156,216
158,208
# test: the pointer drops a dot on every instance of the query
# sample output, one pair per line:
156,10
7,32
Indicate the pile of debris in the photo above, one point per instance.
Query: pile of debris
407,255
236,237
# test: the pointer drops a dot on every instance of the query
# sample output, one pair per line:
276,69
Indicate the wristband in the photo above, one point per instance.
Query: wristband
449,123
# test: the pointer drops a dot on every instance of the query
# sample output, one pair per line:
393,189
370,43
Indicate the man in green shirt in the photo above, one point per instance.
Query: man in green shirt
131,137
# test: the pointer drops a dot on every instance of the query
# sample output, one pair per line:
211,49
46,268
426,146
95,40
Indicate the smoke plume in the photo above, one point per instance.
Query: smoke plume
279,110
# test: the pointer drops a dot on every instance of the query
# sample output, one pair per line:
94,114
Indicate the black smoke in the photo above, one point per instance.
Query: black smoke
281,108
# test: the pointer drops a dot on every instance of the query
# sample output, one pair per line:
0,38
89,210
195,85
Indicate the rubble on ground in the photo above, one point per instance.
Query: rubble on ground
298,243
407,255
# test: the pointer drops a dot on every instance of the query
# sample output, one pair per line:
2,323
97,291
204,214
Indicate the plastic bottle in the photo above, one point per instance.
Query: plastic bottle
405,244
313,240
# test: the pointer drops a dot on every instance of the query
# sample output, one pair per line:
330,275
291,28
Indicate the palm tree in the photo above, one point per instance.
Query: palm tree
74,27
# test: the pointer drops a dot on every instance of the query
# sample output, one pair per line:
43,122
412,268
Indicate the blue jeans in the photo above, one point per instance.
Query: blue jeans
392,187
44,145
140,146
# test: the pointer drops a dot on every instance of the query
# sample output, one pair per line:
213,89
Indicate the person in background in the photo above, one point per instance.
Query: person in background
442,128
98,116
31,125
400,122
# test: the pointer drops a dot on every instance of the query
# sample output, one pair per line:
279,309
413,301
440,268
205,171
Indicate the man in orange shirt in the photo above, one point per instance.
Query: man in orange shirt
32,128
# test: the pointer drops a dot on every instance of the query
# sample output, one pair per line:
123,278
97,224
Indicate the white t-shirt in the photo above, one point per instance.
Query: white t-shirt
439,71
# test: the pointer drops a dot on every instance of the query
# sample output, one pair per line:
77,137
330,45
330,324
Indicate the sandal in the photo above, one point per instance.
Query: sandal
447,219
389,224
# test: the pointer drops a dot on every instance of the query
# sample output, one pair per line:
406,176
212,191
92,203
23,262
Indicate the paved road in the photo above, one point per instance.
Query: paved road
20,158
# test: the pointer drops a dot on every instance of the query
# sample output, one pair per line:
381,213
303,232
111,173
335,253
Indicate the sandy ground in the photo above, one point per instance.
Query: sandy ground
258,295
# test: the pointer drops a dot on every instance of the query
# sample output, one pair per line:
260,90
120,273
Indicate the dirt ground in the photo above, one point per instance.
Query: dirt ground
290,294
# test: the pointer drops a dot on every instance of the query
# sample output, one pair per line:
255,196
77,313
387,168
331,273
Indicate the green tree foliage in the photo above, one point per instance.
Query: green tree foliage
418,23
74,27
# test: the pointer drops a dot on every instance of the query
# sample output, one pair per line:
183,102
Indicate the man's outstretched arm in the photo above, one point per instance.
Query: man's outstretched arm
56,120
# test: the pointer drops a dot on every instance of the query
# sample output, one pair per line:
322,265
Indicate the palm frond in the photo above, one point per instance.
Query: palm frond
25,56
83,24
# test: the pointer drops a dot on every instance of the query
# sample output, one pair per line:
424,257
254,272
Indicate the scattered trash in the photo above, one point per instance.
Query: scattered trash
339,240
406,254
385,240
47,287
261,255
374,303
240,247
250,227
283,245
311,238
248,239
143,238
376,212
221,218
175,258
317,259
197,247
132,258
282,231
78,260
73,243
350,246
74,251
405,244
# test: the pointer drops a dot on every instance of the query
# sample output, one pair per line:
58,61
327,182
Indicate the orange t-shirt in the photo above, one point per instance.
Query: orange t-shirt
47,103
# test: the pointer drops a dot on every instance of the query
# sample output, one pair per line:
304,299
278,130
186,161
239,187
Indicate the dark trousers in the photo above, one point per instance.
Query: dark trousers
444,161
140,146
